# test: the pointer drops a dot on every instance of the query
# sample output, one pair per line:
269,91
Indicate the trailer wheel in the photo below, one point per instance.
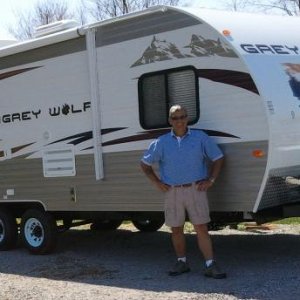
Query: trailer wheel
38,231
8,230
106,224
147,224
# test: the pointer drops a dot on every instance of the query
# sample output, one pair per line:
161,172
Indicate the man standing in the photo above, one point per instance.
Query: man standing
182,156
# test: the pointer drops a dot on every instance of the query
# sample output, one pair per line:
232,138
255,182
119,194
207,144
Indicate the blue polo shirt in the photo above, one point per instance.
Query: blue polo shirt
182,160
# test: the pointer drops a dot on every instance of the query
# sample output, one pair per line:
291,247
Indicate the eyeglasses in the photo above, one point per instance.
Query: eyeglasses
179,118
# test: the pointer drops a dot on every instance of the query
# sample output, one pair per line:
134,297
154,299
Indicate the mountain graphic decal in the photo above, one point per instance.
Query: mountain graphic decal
206,47
160,50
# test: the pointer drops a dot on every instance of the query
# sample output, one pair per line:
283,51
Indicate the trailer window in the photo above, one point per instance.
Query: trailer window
160,90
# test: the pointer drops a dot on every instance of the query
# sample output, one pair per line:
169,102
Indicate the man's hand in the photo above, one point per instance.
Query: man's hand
204,185
148,170
162,186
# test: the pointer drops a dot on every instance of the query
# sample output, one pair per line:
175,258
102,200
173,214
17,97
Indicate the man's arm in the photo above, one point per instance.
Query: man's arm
149,172
216,168
213,175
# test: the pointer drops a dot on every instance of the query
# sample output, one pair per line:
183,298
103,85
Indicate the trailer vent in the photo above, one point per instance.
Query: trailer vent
59,162
55,27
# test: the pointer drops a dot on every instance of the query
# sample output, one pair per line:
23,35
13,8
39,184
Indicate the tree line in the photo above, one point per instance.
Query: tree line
48,11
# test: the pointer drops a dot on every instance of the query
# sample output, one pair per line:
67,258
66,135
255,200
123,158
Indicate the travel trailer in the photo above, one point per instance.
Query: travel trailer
80,104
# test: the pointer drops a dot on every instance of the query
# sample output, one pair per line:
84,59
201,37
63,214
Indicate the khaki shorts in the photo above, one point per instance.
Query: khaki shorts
180,201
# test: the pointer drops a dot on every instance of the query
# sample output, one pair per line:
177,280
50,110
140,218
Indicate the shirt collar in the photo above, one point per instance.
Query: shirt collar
187,133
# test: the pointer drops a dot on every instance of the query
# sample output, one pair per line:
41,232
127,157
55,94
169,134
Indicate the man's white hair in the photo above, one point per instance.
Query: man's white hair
175,108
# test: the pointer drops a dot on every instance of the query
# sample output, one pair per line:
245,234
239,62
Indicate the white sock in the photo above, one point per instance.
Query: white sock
209,262
183,259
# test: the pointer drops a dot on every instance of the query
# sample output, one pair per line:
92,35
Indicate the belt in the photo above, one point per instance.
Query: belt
186,184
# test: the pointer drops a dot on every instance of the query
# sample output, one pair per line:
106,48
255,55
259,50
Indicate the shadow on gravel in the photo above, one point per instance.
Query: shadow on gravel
259,266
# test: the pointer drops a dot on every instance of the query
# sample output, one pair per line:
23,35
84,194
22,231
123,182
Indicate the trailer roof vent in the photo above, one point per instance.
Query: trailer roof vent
55,27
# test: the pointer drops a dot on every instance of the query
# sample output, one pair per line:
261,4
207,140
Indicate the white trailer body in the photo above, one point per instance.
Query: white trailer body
79,107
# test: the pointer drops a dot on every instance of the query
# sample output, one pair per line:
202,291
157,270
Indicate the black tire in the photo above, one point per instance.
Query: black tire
148,224
106,224
8,230
38,231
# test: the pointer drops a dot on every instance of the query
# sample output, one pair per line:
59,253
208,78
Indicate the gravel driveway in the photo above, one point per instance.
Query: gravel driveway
127,264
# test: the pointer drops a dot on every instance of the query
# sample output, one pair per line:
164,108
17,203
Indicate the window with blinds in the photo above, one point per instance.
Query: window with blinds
160,90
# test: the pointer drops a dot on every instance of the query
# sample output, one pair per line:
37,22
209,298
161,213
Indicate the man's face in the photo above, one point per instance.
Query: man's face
179,120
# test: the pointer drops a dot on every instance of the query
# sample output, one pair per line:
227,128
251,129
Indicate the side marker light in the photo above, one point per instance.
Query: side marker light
226,32
258,153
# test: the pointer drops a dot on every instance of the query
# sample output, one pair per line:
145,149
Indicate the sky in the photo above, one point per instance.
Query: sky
9,9
8,12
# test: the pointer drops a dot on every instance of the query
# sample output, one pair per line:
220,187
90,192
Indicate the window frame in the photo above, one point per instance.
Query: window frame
166,72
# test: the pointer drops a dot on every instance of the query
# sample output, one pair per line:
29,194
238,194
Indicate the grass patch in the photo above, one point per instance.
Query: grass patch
288,221
188,227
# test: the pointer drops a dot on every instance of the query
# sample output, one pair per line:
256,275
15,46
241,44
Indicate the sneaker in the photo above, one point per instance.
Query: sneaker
179,268
214,271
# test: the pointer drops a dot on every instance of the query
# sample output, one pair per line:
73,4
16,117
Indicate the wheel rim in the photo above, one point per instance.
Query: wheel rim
2,231
34,232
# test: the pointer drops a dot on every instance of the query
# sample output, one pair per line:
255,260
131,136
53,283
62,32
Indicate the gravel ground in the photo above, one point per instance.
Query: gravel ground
126,264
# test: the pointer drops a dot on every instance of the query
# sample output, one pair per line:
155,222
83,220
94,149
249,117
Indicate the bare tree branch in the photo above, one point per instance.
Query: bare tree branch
45,12
103,9
288,7
48,11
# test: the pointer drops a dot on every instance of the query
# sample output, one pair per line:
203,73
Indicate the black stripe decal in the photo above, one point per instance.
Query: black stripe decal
84,136
146,135
45,52
16,149
15,72
153,134
235,78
